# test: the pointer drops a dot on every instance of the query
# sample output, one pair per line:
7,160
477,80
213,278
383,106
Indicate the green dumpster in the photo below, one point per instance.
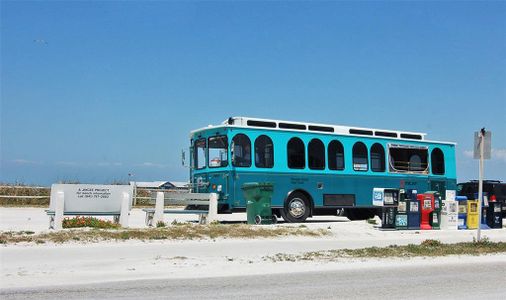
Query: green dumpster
258,197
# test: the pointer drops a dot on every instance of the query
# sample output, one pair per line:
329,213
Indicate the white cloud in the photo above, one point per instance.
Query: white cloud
21,161
84,164
499,154
151,165
109,164
67,163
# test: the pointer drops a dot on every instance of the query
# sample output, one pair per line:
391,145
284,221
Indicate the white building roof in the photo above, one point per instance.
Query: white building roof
180,184
158,184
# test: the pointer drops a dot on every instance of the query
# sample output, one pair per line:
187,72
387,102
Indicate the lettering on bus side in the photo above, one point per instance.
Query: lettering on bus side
298,180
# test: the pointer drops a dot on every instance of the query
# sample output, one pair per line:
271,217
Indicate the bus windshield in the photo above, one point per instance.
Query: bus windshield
199,154
218,149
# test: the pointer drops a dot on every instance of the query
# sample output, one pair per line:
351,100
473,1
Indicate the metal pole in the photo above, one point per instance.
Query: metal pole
134,196
480,184
135,193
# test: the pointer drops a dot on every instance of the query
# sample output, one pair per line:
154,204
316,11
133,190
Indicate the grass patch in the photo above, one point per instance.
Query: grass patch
179,232
428,248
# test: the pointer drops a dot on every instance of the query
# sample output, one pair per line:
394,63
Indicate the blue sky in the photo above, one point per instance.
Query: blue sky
92,91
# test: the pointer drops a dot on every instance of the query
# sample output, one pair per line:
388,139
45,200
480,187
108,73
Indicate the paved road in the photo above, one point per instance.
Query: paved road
450,281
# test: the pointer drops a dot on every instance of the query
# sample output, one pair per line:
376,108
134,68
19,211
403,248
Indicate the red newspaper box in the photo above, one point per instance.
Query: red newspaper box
427,205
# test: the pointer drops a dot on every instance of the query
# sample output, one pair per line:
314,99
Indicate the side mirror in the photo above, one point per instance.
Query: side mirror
183,158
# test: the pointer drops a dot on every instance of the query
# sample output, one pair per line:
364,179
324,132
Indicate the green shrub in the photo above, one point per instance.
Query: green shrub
92,222
160,224
372,221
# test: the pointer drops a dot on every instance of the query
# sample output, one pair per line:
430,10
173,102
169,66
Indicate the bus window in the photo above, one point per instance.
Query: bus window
437,162
241,151
296,154
264,152
377,158
218,147
335,152
199,154
360,159
316,154
408,158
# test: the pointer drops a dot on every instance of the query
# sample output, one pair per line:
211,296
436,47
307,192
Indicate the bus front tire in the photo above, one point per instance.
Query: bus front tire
296,208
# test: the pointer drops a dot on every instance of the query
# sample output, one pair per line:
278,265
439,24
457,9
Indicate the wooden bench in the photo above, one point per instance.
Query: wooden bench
155,215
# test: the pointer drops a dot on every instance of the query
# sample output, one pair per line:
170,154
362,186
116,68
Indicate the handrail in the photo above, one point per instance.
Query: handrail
24,197
24,187
407,166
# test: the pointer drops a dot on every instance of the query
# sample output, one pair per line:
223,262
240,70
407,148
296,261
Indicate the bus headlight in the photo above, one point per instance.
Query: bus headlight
219,188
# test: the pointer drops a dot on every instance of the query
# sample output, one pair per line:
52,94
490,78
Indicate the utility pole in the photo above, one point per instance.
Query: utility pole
482,151
134,196
480,183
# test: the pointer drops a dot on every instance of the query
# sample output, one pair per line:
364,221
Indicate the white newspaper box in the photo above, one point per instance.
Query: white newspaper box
450,215
385,197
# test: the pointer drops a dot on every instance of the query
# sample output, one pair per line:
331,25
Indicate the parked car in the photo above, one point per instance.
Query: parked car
492,187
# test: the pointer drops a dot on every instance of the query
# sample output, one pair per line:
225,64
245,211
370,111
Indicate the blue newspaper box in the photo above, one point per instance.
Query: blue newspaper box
462,200
413,210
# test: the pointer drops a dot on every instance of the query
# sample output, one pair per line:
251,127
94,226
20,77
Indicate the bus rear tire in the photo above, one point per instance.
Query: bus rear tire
296,208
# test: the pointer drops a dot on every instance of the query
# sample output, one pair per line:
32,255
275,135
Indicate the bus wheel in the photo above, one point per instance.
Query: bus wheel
296,208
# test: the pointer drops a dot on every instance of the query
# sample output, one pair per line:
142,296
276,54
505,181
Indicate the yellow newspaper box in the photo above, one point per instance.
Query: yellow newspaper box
473,220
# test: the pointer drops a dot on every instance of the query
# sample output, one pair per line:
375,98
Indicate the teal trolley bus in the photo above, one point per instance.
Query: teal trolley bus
316,169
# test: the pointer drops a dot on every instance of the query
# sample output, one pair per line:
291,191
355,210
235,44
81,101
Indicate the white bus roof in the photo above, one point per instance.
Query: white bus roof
281,125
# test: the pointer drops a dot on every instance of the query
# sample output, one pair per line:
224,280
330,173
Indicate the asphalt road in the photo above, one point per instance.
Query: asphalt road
401,281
